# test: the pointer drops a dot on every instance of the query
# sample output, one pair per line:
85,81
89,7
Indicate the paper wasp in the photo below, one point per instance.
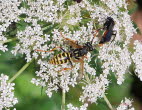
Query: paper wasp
108,30
77,53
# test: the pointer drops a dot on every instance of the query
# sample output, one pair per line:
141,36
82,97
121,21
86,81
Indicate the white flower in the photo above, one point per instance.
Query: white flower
9,13
7,98
30,40
83,107
125,105
92,92
70,17
52,79
137,58
114,61
45,21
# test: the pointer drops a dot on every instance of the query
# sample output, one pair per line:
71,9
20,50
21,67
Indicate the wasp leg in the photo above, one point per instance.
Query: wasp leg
67,68
71,63
95,34
100,45
64,69
71,42
114,33
81,67
52,49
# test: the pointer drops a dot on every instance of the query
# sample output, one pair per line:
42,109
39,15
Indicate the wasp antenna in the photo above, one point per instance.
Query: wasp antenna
114,14
111,15
41,50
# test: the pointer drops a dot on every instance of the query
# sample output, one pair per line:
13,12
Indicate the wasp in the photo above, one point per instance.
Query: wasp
77,53
108,30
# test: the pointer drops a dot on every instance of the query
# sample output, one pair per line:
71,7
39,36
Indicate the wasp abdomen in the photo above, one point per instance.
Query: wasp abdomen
60,58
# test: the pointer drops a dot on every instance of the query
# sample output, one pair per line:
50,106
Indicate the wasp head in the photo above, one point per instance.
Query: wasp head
109,23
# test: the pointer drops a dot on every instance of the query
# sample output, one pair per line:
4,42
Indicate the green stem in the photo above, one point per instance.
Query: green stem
19,72
44,28
63,99
87,78
9,40
108,103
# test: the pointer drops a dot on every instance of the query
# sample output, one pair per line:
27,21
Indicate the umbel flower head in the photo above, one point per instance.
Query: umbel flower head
7,99
83,107
137,58
47,24
9,13
125,105
71,22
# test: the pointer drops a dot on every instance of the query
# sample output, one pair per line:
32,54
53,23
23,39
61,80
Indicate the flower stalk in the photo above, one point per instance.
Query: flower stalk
108,103
20,71
63,99
9,40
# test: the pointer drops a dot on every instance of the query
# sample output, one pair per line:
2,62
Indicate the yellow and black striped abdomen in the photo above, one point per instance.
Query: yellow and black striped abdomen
60,58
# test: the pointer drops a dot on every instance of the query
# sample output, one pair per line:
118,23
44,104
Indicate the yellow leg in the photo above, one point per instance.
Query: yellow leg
85,57
81,69
67,38
100,45
49,50
95,34
64,69
70,42
81,66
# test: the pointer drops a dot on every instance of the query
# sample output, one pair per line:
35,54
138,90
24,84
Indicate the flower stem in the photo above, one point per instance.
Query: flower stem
9,40
19,72
87,78
63,99
108,103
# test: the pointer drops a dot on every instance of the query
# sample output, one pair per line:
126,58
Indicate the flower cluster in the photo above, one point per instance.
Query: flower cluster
83,107
125,105
48,24
137,58
50,77
68,21
115,5
114,61
43,10
9,13
29,40
92,92
7,98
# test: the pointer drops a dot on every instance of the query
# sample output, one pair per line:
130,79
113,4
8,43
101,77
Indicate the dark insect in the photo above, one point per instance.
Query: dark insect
108,31
77,53
78,1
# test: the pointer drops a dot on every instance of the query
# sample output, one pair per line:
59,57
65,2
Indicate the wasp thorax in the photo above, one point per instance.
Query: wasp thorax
89,46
